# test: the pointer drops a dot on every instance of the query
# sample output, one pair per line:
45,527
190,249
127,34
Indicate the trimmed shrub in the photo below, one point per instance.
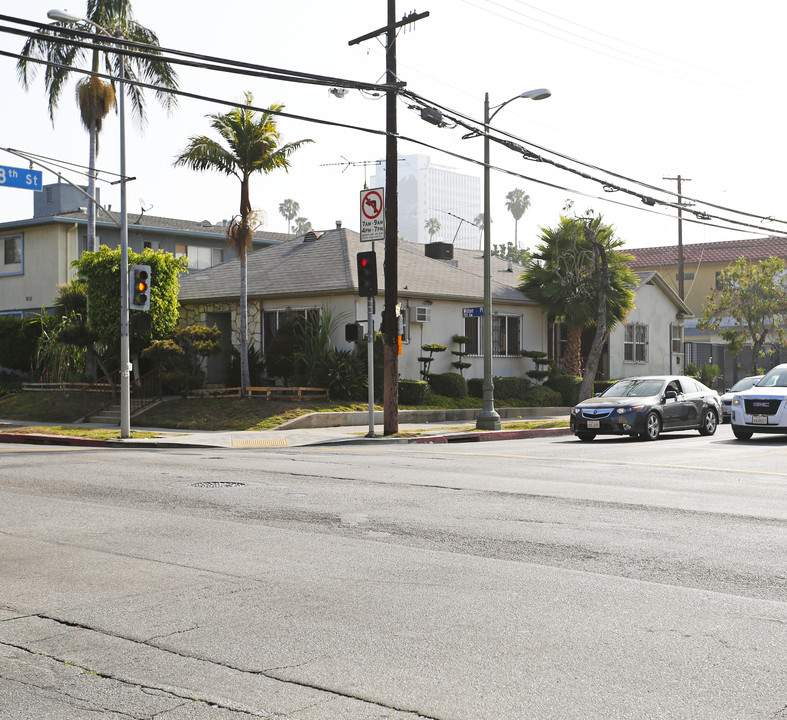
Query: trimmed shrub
542,396
412,392
450,384
475,387
511,388
567,386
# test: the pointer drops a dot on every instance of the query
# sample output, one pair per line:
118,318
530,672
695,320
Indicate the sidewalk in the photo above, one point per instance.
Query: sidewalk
443,431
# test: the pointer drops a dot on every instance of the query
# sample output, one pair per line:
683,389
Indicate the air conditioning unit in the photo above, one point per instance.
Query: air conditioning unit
423,314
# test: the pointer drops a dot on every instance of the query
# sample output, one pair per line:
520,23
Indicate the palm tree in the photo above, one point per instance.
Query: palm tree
289,209
432,226
252,143
96,97
517,201
563,277
302,226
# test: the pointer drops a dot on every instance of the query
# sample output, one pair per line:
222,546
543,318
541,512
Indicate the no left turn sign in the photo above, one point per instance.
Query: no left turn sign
372,216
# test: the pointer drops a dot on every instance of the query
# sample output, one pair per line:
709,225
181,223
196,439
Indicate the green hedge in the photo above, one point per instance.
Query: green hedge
450,384
412,392
542,396
600,386
567,386
511,388
475,387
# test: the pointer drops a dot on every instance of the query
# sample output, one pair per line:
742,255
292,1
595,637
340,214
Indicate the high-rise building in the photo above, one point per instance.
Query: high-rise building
428,190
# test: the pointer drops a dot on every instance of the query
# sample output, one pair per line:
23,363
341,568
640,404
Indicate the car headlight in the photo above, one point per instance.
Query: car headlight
624,410
576,411
736,400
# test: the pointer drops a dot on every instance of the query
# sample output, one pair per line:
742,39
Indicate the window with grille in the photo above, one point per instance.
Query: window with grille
635,343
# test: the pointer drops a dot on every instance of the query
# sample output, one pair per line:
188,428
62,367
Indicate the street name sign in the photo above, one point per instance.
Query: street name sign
472,312
372,215
20,178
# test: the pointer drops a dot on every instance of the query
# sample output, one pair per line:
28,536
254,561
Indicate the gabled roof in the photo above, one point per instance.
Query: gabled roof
653,278
326,265
726,251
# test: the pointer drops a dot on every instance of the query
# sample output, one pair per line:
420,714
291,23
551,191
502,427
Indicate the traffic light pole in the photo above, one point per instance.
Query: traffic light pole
125,354
370,361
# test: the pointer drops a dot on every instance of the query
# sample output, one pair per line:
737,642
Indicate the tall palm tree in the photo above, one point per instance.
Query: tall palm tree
302,226
251,143
432,226
289,209
517,202
96,97
562,276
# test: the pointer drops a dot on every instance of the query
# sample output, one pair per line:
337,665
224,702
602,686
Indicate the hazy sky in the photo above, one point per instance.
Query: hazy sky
645,90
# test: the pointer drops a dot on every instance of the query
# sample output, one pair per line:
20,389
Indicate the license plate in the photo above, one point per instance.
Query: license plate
759,419
594,424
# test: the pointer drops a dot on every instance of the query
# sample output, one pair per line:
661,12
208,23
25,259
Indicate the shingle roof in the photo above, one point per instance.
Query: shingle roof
154,223
726,251
326,266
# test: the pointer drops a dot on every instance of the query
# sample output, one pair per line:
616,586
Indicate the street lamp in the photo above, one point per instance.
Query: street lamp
488,418
125,354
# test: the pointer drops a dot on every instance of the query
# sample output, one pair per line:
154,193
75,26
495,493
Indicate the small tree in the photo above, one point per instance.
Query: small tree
459,364
302,226
426,360
181,355
542,363
754,295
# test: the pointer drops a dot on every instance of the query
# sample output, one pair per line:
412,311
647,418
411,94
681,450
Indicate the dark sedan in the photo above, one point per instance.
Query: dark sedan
647,406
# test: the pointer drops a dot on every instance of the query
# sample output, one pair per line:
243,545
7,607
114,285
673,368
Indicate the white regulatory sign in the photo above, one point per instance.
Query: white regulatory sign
372,215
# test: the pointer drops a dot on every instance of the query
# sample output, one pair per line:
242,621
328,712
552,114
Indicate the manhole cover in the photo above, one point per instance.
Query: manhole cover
216,484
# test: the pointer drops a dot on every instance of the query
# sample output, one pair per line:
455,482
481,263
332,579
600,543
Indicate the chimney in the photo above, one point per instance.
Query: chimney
338,224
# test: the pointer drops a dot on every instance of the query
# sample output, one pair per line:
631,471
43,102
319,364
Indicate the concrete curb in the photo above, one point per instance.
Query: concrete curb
488,436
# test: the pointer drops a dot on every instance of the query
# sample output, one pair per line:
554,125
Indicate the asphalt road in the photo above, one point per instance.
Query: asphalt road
541,578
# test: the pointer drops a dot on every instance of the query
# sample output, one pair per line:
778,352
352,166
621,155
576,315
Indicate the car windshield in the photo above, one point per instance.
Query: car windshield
775,378
634,388
744,384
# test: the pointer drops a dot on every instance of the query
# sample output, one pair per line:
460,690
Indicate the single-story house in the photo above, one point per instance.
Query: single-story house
440,293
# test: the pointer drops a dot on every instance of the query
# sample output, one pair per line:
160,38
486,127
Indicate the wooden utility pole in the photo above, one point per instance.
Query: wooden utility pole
681,284
390,264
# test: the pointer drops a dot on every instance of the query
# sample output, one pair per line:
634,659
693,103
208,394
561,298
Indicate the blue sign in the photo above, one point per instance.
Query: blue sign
20,178
473,312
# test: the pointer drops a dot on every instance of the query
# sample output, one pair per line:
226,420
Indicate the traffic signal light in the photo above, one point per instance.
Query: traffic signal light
367,273
139,280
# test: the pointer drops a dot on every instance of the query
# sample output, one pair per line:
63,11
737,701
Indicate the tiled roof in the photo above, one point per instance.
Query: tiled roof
326,266
726,251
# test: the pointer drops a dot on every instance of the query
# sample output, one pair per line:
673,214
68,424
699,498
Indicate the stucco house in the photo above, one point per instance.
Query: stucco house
703,263
36,253
437,283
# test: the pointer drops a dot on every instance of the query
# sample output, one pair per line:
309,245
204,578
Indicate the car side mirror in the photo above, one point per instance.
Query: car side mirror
726,390
670,395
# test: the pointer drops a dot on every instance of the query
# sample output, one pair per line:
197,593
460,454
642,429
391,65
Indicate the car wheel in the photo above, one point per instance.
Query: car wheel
742,434
709,422
652,427
586,436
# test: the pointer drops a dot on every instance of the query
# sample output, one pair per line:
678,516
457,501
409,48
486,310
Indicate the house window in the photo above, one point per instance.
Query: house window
718,279
12,255
635,343
473,331
677,338
151,244
272,320
686,276
181,250
199,257
506,335
217,256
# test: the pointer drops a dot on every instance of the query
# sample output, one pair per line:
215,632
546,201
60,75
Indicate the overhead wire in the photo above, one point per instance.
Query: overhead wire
462,119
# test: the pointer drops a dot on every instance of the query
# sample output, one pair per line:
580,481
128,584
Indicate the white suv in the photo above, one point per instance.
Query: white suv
762,408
